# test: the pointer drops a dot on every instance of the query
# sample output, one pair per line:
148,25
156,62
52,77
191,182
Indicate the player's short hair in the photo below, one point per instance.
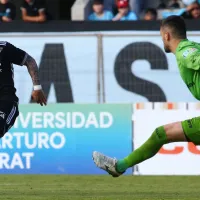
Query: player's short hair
177,26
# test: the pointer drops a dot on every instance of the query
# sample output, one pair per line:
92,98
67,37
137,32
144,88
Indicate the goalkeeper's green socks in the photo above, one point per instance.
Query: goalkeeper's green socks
146,151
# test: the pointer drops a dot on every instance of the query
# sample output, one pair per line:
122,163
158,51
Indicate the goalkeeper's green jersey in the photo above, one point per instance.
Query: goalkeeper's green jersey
188,59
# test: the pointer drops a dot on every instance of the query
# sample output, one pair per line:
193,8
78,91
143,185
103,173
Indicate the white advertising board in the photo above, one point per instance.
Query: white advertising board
173,159
136,69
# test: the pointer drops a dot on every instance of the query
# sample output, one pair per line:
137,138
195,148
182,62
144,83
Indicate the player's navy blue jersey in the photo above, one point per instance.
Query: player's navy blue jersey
9,55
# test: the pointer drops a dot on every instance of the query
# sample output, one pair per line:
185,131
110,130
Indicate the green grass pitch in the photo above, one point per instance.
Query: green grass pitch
61,187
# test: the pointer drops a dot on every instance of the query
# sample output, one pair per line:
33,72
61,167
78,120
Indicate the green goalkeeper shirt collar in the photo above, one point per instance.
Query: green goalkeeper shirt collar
180,45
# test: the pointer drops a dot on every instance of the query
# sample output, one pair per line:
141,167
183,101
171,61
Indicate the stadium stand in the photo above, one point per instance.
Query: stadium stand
99,13
7,11
33,11
83,8
79,10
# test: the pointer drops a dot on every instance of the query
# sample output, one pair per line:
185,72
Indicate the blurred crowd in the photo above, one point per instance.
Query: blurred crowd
121,10
113,10
31,11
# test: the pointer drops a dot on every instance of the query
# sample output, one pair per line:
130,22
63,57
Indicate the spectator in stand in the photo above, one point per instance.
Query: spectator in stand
7,11
188,2
150,14
192,11
99,13
33,11
124,12
173,4
173,7
176,4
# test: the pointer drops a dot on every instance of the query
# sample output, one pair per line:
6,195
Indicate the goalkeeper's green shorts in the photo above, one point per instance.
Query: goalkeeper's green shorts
191,128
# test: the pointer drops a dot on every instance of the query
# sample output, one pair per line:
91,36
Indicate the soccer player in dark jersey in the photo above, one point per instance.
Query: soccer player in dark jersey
173,32
10,55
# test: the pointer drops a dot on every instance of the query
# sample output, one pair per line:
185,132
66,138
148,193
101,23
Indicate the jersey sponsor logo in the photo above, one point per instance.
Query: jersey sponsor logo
2,115
188,52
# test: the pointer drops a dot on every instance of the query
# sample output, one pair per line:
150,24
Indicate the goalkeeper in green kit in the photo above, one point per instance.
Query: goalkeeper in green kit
173,32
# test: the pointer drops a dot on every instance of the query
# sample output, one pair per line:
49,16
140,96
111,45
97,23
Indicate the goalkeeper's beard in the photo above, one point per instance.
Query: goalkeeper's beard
167,49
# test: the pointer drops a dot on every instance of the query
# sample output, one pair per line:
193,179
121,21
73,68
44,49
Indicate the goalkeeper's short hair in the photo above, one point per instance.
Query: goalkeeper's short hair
177,26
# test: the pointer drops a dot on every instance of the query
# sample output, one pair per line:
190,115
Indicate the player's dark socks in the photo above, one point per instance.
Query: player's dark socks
146,151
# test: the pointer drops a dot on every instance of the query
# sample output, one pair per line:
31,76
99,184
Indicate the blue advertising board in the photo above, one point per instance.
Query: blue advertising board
60,138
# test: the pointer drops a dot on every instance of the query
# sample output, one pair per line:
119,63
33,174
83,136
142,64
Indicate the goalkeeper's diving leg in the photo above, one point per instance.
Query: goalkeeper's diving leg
185,131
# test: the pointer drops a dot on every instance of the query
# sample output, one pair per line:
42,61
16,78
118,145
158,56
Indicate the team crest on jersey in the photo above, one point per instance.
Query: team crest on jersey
2,114
188,52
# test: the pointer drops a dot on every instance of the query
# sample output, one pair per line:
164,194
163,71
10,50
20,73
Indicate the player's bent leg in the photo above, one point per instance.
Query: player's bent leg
191,128
2,127
162,135
8,114
175,132
2,132
146,151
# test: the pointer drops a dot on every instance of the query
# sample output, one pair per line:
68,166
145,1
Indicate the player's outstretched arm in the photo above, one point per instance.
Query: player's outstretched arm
32,69
20,57
37,94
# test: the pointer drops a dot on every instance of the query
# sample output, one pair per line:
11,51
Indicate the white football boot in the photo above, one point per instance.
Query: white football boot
106,163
